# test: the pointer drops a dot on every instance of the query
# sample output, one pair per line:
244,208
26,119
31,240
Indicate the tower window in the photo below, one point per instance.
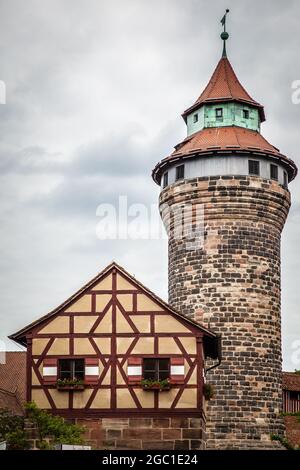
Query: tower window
165,179
285,179
179,172
219,113
196,117
253,167
274,172
245,114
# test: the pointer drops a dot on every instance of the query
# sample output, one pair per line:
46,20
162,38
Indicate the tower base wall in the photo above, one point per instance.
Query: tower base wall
163,433
231,284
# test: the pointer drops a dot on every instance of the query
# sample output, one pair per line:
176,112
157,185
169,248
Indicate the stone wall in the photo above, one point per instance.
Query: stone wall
232,285
144,433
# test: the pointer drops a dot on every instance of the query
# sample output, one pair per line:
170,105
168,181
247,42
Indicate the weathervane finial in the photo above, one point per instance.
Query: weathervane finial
224,34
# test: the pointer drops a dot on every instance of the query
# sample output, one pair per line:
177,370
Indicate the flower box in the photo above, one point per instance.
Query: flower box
70,387
150,385
67,384
150,388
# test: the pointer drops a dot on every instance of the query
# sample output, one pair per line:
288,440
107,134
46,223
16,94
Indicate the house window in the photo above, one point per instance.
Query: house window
295,395
245,114
165,179
253,167
219,113
71,369
156,369
285,179
179,172
196,117
274,172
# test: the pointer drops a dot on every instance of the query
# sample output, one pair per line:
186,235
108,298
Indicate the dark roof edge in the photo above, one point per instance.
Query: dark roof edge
157,170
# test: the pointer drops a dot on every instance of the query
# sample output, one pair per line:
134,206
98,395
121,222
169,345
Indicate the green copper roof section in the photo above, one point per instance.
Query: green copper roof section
223,114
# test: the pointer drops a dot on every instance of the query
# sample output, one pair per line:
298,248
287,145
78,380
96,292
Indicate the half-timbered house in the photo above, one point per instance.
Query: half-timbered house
120,360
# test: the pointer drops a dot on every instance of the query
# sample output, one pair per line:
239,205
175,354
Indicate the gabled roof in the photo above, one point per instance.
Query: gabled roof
225,86
212,338
13,381
291,381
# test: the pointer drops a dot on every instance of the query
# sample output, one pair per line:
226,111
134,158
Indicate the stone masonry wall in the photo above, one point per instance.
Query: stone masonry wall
144,433
232,285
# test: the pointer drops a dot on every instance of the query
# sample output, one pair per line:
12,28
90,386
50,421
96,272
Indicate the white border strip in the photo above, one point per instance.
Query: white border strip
134,370
49,371
177,370
91,370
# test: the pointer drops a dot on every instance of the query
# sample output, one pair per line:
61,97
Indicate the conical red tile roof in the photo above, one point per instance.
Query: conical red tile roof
225,86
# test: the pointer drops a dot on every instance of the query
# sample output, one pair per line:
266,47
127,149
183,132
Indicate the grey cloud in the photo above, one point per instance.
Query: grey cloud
94,95
29,160
124,153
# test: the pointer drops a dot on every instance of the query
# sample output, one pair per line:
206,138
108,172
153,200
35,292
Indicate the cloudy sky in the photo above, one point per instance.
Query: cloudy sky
94,93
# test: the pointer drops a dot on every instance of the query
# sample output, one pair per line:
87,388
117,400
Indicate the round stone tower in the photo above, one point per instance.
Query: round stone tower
225,199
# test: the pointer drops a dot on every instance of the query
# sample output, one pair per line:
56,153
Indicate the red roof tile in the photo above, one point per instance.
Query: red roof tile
291,381
225,86
10,402
13,381
223,139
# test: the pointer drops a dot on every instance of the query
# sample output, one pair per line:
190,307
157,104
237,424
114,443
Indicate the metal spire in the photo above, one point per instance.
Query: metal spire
224,34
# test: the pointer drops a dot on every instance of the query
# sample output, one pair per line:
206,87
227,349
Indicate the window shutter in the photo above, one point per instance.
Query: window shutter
50,371
134,370
91,370
177,370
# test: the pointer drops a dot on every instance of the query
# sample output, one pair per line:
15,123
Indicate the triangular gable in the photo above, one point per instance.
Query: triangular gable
102,284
